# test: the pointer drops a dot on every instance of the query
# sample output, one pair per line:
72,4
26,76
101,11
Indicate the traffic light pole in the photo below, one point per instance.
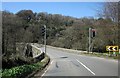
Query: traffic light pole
45,38
89,40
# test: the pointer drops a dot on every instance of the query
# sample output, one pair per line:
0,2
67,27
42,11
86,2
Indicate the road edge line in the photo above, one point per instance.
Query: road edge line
46,69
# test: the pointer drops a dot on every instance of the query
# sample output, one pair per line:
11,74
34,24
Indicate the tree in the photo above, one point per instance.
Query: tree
109,11
26,15
11,25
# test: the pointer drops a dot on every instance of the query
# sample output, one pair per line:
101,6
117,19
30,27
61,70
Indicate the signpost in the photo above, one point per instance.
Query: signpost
119,51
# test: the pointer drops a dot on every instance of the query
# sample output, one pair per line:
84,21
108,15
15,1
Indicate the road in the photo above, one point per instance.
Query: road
69,64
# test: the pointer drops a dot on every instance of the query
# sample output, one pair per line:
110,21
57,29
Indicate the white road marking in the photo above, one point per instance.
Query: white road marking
51,62
86,67
47,69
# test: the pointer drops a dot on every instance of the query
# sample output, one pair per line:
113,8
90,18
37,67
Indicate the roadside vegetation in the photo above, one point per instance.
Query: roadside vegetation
111,55
104,55
25,70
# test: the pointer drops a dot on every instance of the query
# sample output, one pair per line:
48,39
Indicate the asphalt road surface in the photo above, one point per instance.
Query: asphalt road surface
69,64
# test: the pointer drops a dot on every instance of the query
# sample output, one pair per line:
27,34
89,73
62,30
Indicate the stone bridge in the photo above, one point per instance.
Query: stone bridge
30,49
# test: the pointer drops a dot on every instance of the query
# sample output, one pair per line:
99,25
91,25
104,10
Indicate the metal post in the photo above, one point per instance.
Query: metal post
89,40
45,38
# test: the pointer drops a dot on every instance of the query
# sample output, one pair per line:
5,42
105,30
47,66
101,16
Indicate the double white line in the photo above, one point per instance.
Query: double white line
86,67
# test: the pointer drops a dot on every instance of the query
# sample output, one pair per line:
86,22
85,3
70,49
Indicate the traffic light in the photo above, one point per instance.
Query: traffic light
93,32
43,31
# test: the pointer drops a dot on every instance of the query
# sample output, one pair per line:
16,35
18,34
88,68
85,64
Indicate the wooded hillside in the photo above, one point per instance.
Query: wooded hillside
62,31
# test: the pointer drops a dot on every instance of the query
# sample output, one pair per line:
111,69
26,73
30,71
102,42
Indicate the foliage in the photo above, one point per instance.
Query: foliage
62,31
20,70
24,70
16,60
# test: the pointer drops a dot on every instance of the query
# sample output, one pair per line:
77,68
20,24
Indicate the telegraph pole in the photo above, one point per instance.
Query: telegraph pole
45,38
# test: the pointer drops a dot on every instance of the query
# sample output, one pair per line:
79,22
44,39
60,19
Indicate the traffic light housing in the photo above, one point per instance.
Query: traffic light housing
43,31
93,32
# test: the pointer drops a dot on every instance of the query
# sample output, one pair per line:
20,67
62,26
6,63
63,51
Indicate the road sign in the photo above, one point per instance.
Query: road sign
111,48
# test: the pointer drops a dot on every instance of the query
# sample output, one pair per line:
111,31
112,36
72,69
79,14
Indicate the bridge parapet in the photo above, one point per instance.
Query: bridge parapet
36,51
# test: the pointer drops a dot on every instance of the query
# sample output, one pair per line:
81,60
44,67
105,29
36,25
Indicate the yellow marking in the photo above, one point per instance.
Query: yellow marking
112,48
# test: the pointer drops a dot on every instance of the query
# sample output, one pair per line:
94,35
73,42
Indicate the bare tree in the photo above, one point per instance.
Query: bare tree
109,10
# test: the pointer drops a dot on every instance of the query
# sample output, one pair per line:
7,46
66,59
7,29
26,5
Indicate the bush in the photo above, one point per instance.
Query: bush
16,60
24,70
19,71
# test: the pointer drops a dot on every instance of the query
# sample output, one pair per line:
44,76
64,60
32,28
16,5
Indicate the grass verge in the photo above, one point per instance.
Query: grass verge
24,70
103,55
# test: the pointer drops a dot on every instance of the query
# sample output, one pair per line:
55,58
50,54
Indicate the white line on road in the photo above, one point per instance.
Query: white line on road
86,67
51,62
47,69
